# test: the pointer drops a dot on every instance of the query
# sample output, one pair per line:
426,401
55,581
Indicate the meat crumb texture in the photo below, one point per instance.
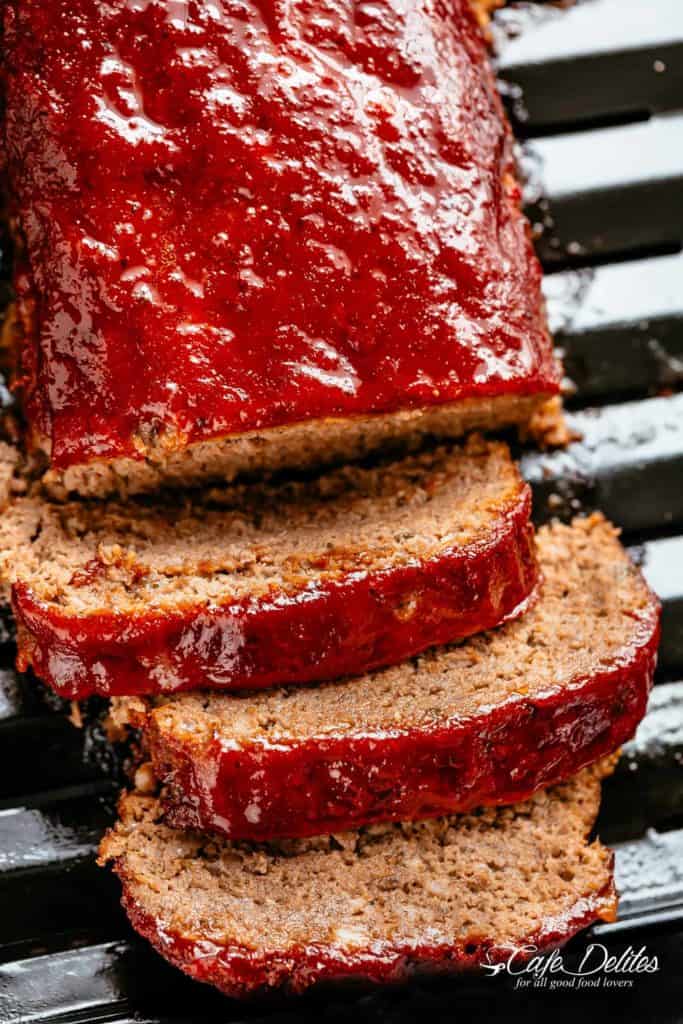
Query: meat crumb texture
486,721
379,904
254,585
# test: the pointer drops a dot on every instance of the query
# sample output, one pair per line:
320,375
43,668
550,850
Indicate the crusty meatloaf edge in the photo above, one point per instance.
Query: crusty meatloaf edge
502,755
240,972
310,445
344,627
239,969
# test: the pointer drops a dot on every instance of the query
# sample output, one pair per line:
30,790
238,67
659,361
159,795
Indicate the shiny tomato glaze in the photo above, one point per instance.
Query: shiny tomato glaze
245,213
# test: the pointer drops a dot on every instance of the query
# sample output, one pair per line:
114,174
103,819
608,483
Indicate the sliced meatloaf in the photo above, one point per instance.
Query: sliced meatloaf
489,721
261,239
446,894
256,585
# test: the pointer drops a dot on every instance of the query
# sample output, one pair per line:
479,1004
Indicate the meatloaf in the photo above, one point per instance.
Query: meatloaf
447,894
489,721
261,238
255,585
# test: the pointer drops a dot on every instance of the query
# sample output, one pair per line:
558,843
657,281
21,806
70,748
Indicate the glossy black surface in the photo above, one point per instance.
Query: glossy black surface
628,463
594,60
607,191
662,562
579,76
619,328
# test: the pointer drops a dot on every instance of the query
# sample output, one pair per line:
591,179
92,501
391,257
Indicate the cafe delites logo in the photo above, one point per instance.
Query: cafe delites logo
596,968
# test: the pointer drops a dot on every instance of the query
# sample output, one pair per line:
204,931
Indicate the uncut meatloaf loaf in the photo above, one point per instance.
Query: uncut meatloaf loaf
257,237
449,893
489,721
255,585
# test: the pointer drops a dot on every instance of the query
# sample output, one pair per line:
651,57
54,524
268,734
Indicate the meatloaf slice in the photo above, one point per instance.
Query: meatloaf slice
257,585
446,894
489,721
261,239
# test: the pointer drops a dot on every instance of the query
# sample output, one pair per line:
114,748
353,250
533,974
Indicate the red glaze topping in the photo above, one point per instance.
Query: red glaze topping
332,783
240,971
239,214
338,628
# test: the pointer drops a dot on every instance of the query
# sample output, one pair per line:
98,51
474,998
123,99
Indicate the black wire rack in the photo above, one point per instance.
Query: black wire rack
595,92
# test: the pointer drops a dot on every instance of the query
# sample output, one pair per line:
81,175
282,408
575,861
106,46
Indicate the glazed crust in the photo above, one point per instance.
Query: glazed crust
309,445
379,904
502,755
241,972
357,251
487,722
343,627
